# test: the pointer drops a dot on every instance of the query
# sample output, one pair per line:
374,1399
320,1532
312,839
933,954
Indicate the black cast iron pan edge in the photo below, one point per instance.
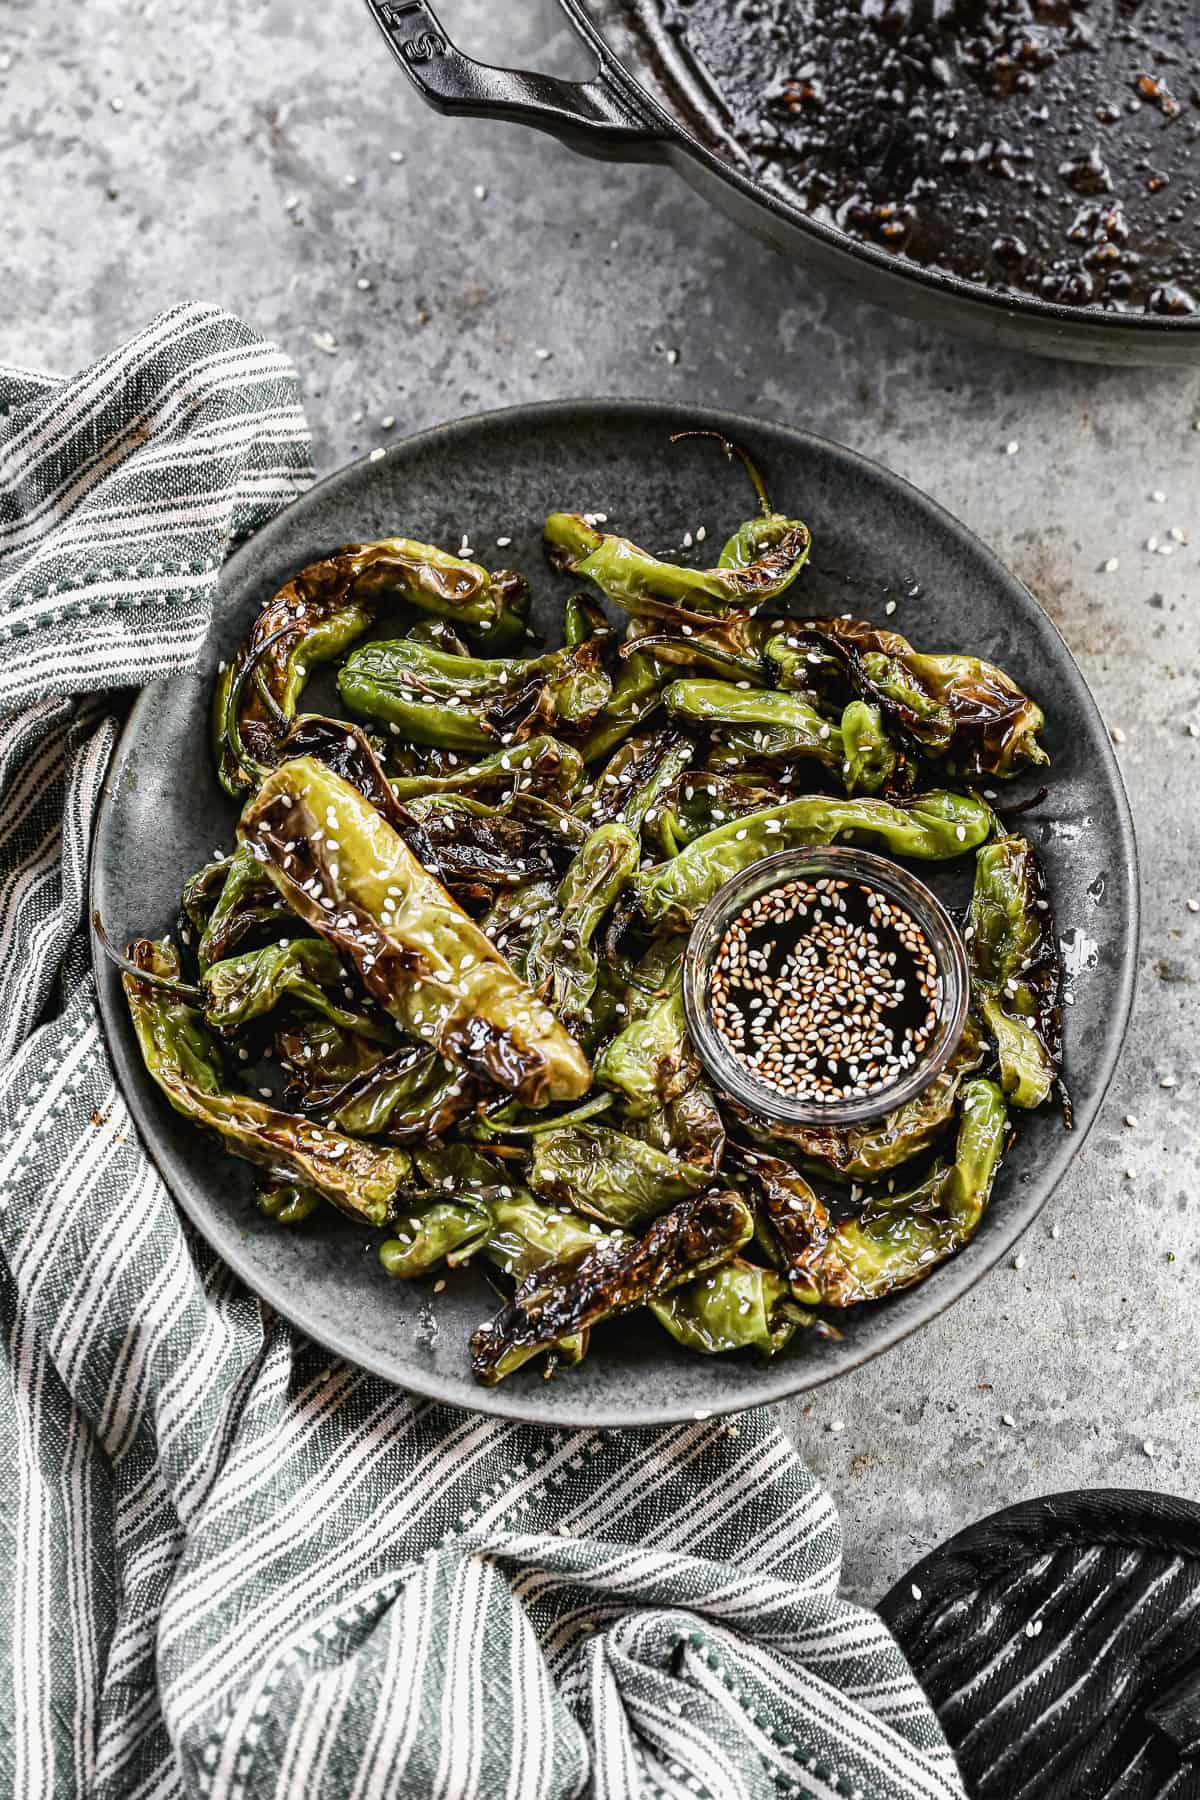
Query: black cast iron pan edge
613,116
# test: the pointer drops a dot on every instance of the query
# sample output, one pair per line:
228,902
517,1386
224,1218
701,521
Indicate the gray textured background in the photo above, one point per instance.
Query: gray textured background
150,153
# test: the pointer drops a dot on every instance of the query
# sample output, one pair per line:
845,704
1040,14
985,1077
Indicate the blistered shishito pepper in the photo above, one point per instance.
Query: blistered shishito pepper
247,907
931,827
709,796
1016,974
318,1056
409,1096
609,1176
739,1306
650,1063
755,723
635,694
287,1202
308,970
527,1235
446,1232
326,608
896,1239
863,1152
559,958
959,708
480,849
636,778
474,703
202,892
181,1055
757,564
542,764
732,647
870,760
550,1304
345,871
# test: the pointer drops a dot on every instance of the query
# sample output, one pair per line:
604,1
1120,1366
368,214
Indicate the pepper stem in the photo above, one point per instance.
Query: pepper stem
183,990
731,450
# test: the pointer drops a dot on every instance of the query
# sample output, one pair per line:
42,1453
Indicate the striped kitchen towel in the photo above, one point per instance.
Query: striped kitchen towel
234,1567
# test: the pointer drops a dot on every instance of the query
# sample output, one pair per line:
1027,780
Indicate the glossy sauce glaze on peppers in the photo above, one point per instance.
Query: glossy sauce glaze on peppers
438,985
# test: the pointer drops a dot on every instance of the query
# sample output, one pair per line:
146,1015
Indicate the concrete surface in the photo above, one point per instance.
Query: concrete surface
149,156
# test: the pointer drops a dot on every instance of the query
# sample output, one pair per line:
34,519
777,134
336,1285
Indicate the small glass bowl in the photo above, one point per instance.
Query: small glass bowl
708,933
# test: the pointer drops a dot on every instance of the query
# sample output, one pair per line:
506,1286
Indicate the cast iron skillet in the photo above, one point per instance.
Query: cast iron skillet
630,110
875,538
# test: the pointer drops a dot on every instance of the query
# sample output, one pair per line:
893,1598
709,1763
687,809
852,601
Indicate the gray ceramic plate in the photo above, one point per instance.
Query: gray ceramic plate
875,538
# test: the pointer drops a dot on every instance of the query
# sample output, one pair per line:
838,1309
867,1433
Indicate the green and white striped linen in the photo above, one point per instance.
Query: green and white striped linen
233,1566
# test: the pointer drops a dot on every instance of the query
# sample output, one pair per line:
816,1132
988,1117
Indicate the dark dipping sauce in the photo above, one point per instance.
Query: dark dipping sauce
826,989
1049,148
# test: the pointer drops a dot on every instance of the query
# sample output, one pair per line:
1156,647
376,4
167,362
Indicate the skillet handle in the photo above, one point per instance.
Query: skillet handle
596,117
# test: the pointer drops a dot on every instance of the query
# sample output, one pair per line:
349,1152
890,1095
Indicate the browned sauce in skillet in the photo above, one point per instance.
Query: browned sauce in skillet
1044,147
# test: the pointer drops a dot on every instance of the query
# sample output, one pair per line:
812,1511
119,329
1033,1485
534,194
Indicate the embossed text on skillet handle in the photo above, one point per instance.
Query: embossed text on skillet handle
599,116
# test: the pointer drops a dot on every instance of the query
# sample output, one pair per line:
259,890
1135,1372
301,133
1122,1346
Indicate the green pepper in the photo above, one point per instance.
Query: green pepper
955,707
288,1203
352,878
444,1233
247,907
309,970
651,1064
634,697
732,646
774,727
560,957
517,919
438,635
469,702
553,768
408,1097
932,826
651,1060
636,779
1015,971
527,1236
617,1179
739,1306
870,759
182,1057
478,848
896,1239
775,549
705,797
326,608
861,1152
320,1057
447,1230
551,1304
202,891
